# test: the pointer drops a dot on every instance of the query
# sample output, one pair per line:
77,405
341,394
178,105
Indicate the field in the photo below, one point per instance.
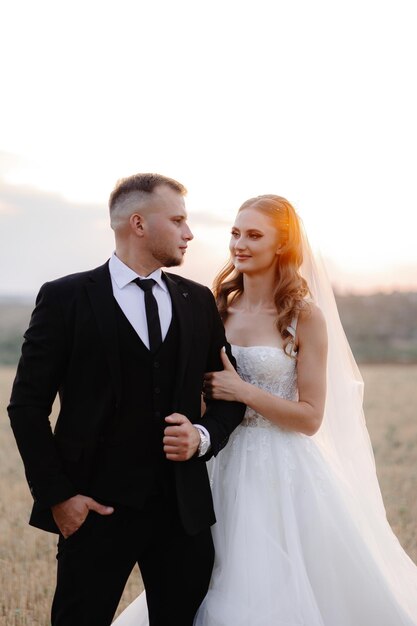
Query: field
27,556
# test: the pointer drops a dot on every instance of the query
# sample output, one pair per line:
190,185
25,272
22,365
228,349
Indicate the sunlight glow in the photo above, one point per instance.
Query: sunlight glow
234,100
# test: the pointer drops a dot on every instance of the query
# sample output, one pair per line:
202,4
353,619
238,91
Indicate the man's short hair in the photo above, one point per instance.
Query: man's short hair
143,183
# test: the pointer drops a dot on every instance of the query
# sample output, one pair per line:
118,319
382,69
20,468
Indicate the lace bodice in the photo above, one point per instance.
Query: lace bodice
268,368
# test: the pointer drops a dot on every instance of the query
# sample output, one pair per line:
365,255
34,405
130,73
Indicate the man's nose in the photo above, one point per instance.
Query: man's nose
188,235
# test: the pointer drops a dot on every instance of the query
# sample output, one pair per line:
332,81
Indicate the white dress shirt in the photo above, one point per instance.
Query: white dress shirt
131,300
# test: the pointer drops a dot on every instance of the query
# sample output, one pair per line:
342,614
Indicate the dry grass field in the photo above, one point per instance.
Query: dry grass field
27,556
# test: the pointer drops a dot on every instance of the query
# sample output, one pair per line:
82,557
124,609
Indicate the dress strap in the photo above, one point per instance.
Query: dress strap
292,329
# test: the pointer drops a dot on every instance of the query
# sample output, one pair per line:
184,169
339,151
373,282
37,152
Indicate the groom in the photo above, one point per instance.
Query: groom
122,478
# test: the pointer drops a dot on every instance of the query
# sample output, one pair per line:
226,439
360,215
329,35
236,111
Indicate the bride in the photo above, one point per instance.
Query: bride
301,537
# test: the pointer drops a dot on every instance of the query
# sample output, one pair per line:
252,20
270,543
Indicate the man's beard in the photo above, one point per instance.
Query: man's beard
170,261
165,258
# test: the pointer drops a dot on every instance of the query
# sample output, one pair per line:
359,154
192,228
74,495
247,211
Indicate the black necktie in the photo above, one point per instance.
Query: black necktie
152,316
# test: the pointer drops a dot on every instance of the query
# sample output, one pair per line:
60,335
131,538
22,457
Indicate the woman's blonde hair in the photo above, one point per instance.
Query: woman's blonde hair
290,288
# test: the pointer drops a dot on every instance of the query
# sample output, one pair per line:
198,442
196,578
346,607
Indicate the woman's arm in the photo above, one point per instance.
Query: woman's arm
304,415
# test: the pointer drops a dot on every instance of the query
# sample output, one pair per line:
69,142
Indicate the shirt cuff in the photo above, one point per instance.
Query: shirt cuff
205,441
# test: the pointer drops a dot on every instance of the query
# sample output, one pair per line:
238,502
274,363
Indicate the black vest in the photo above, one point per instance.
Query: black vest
131,465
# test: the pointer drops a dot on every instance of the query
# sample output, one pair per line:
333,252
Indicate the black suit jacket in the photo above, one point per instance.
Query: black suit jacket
71,347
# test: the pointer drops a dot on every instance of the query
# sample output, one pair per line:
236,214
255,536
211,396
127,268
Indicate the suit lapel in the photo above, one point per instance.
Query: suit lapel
100,293
182,306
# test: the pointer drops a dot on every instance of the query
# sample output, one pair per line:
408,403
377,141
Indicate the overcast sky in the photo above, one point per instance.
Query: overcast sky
315,101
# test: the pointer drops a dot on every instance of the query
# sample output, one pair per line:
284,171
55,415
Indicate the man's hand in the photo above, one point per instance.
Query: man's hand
71,514
181,438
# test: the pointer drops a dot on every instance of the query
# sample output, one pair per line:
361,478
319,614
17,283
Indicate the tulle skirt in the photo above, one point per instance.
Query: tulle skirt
136,614
292,547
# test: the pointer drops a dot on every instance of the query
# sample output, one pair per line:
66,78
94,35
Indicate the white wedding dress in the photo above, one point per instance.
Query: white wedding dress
289,549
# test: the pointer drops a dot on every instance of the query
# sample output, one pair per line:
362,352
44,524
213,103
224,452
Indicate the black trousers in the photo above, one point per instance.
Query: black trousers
95,563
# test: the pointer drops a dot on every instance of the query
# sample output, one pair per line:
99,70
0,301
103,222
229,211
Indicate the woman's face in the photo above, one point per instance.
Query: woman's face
254,243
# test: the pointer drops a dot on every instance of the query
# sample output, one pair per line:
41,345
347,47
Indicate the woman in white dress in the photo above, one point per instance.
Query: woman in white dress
301,537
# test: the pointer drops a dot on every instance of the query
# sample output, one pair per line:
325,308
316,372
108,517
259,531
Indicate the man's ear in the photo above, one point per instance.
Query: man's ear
136,222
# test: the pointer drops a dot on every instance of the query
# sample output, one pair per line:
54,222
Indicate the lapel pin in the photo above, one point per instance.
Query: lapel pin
185,294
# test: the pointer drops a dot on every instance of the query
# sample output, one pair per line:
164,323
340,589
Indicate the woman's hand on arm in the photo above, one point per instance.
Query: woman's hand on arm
224,385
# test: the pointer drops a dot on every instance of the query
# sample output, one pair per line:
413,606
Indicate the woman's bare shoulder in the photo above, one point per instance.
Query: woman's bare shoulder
311,313
311,323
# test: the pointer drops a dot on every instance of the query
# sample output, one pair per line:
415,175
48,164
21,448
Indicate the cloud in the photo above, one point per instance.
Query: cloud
208,219
10,161
43,235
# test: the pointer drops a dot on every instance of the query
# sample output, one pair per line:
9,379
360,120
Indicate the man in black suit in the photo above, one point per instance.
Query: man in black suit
122,478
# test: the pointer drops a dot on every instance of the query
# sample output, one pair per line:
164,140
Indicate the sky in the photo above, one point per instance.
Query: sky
315,101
